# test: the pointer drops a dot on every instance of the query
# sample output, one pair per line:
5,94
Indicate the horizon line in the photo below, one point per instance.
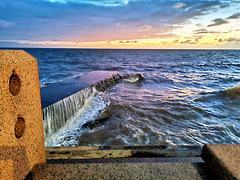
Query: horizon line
120,48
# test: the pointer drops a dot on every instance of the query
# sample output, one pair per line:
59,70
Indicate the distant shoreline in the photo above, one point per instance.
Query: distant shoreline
117,48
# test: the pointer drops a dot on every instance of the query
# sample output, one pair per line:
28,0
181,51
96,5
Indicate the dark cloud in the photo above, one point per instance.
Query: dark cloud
205,31
188,42
217,22
198,38
192,9
127,42
221,40
224,6
233,40
234,16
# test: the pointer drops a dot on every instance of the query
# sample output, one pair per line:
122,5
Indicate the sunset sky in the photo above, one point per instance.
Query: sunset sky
120,23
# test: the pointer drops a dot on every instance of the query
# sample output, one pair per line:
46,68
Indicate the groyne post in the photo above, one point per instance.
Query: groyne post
21,126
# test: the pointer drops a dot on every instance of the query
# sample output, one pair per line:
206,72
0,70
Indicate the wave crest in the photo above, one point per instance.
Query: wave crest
133,77
233,92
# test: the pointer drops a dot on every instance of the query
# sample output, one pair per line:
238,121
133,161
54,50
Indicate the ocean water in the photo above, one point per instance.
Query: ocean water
174,97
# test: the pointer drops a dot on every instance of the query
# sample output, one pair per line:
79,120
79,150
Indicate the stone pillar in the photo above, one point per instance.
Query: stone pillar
21,127
223,160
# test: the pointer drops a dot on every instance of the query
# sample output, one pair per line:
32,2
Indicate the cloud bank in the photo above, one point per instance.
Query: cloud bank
106,20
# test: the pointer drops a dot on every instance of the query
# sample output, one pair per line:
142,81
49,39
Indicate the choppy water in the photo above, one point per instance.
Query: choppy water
187,97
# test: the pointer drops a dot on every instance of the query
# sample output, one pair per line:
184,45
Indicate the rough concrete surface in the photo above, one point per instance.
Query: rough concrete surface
21,128
223,160
115,171
113,162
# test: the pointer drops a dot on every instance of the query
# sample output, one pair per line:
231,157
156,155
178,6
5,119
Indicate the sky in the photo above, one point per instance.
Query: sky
125,24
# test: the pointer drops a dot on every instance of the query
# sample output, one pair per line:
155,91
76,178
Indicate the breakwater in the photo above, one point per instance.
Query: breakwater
61,101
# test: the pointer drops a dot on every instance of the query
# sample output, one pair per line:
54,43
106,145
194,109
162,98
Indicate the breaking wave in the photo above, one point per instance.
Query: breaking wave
233,92
69,133
133,77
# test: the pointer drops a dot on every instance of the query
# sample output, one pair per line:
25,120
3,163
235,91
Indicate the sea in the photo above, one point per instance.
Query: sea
173,97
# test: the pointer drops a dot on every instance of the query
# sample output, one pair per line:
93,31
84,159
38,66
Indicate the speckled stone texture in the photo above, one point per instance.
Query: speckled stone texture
21,127
115,171
223,160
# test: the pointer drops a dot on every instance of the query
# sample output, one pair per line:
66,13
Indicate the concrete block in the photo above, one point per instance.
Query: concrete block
223,160
116,171
21,127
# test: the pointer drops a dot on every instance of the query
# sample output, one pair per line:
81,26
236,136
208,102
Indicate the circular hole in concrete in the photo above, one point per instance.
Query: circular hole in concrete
19,127
14,85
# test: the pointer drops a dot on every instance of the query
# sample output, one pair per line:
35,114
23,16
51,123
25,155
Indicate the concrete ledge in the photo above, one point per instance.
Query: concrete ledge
120,152
128,160
117,162
146,170
223,160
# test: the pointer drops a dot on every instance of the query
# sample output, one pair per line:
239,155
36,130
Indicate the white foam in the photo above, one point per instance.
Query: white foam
56,115
69,133
133,77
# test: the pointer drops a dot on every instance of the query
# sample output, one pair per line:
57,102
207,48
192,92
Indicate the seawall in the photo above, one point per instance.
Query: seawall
60,101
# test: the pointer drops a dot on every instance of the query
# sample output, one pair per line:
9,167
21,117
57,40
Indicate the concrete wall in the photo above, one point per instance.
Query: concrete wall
21,127
62,100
